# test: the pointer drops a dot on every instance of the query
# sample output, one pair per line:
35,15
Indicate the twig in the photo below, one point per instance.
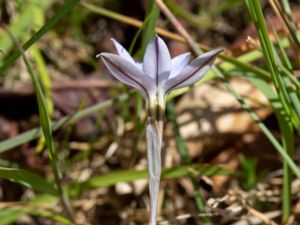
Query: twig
179,27
261,216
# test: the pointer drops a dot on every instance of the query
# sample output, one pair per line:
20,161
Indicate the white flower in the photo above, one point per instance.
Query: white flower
158,74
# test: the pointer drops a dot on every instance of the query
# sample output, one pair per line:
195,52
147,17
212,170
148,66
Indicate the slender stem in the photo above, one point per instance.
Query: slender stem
154,140
288,144
154,133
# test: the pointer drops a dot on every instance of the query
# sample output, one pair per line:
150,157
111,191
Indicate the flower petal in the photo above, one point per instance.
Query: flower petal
122,51
193,72
179,63
157,60
129,74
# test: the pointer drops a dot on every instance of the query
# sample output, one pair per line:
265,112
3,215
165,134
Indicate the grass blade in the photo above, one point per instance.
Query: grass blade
115,177
284,114
8,216
47,132
294,98
28,179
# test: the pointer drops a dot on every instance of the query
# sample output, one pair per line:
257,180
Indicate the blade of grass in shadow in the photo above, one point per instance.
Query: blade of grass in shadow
47,132
28,179
284,117
293,78
36,132
285,60
10,215
45,81
66,7
186,159
138,33
150,26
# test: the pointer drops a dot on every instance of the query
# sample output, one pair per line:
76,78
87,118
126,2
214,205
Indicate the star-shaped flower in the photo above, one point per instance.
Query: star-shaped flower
158,74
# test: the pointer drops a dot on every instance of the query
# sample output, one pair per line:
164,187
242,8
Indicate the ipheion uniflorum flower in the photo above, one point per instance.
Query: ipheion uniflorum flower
155,78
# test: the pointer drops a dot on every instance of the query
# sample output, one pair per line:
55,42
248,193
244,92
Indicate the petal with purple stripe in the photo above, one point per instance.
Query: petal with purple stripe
157,60
193,72
129,73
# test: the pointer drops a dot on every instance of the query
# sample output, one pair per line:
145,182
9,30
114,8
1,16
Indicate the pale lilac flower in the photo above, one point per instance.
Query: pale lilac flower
155,78
158,74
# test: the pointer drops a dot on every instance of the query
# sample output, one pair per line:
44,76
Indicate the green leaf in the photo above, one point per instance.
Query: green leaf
113,178
28,179
150,25
18,28
8,216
